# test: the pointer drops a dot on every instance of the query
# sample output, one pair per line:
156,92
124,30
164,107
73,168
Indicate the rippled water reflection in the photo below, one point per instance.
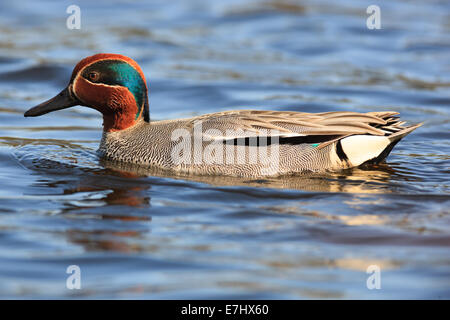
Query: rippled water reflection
153,235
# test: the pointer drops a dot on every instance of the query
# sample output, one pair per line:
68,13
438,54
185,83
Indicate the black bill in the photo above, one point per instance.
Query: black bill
62,101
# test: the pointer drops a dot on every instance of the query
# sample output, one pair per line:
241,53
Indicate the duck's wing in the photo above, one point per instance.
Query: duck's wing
288,124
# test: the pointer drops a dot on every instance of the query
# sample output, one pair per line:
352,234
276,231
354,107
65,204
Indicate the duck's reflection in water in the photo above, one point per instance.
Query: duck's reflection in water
111,197
121,192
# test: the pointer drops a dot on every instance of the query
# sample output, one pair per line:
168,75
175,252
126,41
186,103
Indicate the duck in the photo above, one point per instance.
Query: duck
240,143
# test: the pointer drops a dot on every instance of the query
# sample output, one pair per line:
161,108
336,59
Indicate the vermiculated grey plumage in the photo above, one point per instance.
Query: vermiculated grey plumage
306,141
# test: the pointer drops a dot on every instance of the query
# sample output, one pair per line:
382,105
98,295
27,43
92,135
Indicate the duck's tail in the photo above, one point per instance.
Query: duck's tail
394,139
365,149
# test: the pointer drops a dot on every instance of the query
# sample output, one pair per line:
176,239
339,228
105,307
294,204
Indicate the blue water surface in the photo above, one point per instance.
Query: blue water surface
158,236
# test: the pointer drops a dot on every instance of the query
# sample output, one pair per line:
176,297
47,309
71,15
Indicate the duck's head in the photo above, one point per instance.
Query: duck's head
110,83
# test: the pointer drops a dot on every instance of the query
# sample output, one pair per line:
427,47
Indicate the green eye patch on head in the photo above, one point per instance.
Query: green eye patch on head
118,73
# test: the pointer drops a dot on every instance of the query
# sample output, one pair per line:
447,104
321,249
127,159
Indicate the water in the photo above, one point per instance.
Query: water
158,236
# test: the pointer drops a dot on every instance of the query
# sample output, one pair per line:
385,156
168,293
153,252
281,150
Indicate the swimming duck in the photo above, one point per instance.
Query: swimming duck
245,143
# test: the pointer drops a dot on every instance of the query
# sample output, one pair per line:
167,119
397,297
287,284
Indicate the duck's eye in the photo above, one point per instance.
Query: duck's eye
93,76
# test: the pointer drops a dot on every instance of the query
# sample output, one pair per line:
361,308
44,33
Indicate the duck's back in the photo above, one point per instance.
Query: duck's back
254,143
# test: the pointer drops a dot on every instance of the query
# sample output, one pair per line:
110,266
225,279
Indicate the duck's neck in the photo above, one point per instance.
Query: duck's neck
118,121
124,115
